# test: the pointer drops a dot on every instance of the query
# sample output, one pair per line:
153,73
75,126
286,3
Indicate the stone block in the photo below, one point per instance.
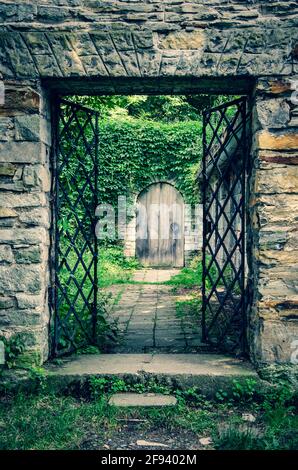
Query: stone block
18,318
6,213
38,43
39,217
276,341
21,236
13,200
273,113
269,141
6,128
22,152
7,169
286,158
28,255
183,41
37,176
29,301
6,302
27,127
273,179
6,254
21,279
19,99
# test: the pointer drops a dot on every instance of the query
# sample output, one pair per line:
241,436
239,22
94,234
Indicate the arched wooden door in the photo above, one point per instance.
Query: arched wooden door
160,226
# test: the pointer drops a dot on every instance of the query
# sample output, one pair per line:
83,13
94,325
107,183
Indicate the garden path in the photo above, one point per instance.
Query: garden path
148,320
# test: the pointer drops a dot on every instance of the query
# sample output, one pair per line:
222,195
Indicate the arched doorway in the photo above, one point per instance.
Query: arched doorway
160,226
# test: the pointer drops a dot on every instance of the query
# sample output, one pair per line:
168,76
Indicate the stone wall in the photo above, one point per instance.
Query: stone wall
274,217
169,46
148,38
24,219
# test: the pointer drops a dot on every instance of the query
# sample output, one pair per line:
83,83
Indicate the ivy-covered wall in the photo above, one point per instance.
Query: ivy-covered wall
135,152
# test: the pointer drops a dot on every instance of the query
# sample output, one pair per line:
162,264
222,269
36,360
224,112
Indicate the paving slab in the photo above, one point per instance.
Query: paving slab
146,314
142,400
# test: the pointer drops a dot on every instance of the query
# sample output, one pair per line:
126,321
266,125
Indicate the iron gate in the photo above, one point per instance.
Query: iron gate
224,220
75,180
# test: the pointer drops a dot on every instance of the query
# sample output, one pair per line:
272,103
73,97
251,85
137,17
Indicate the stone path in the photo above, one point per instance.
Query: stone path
148,319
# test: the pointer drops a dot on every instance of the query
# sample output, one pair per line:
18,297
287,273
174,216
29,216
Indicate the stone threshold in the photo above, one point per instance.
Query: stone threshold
208,372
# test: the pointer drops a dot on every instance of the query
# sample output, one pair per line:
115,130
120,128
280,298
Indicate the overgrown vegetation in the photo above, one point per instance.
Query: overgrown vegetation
249,419
13,348
114,267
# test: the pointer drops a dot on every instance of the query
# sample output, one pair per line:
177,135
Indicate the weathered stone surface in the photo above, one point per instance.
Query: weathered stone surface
183,40
27,127
6,254
6,128
269,141
21,279
7,169
277,341
37,176
13,200
53,36
19,318
22,152
285,158
273,113
273,179
27,301
28,255
6,213
6,302
29,236
39,217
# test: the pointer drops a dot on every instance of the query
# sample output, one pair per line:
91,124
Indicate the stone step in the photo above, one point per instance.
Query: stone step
207,372
142,400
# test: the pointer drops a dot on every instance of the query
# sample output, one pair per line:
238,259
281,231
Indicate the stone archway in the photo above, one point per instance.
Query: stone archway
156,47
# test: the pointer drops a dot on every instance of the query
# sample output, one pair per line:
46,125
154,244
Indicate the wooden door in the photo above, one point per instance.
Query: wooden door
160,226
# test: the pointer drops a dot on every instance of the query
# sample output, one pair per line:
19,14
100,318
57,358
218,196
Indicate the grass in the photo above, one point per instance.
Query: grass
189,277
114,267
46,421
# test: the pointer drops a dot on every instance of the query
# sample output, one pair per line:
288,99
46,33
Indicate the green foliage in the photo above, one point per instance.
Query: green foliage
235,439
114,267
161,108
192,276
133,154
242,392
47,421
13,347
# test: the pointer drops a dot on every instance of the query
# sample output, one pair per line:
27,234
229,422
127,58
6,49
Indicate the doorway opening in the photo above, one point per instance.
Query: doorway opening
160,232
149,246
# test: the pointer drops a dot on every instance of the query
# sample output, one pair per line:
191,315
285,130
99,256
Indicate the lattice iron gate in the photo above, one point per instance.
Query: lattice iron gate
75,181
224,179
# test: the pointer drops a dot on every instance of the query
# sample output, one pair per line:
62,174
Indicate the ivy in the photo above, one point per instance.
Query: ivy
134,153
